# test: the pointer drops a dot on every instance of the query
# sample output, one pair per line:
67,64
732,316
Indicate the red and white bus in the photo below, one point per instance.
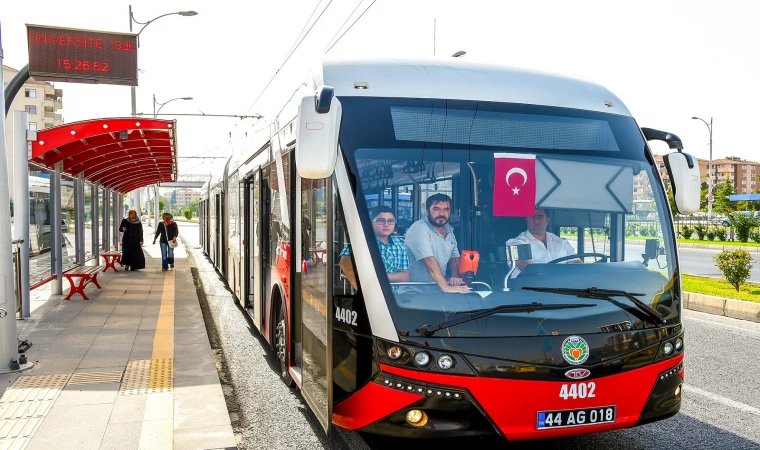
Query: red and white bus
557,350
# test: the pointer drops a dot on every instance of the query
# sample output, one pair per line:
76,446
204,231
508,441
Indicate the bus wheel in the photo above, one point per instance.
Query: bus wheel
281,345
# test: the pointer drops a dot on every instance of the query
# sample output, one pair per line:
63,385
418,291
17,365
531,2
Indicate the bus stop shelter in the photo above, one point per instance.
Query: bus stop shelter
114,156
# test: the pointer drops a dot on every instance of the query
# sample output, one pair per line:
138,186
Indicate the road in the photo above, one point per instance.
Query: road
721,400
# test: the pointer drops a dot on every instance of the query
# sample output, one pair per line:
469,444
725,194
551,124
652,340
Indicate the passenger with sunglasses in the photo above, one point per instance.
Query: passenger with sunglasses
392,249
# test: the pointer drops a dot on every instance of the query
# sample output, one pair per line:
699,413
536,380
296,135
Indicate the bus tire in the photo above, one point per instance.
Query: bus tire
281,337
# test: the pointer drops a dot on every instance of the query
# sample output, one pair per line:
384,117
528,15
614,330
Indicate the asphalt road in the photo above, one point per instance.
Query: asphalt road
721,400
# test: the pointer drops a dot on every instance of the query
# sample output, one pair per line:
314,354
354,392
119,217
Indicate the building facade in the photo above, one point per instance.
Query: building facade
41,100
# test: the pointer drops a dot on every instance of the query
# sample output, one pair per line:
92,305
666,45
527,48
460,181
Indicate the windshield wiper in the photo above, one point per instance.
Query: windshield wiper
605,294
429,330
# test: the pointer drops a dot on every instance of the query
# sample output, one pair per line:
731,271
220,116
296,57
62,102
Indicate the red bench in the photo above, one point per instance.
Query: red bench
84,275
110,259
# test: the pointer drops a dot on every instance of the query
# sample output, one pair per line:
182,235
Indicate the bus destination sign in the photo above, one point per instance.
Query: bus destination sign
82,56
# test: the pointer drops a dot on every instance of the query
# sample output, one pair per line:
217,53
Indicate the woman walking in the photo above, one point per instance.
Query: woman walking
168,231
131,242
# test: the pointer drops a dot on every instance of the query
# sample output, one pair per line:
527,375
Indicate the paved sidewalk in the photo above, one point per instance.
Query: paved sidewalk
131,368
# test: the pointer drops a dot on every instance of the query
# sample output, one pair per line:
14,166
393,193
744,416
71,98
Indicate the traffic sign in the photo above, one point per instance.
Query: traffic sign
710,198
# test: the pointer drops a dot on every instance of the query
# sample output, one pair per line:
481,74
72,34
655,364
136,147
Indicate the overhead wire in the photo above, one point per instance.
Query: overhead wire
344,23
288,56
351,26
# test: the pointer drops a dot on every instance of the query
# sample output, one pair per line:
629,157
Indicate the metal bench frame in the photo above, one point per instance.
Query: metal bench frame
110,259
86,275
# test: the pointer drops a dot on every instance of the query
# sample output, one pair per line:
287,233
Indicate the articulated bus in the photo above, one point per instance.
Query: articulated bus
557,350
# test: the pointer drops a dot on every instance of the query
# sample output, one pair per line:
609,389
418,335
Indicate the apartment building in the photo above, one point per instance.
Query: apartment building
38,98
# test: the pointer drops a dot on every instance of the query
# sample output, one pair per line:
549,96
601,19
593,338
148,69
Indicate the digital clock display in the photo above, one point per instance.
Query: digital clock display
82,56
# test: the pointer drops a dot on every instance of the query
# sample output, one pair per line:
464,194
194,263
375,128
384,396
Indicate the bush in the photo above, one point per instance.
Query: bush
188,214
721,234
735,266
686,232
743,225
711,235
755,236
701,231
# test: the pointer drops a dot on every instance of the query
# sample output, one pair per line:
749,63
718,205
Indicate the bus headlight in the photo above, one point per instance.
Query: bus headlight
421,359
668,348
395,352
446,362
679,344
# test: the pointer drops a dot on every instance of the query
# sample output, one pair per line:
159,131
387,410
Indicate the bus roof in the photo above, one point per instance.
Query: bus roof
460,79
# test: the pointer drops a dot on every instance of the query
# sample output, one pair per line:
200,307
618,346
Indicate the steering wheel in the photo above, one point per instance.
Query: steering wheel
602,256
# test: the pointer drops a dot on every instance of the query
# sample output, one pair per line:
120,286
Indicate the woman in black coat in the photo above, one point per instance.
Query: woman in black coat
131,242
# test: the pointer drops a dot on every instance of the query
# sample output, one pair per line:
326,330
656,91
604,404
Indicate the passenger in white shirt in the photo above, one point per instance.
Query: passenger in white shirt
544,246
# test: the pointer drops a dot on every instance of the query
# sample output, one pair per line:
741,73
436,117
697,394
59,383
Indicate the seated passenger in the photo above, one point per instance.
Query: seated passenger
391,247
432,247
544,246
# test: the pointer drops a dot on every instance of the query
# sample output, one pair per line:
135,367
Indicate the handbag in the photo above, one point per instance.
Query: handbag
173,244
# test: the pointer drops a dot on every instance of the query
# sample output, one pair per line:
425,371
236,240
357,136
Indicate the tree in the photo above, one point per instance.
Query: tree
161,205
703,196
722,193
194,205
188,214
735,266
671,199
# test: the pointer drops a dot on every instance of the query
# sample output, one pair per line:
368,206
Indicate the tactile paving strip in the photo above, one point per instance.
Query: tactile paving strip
95,377
148,376
23,406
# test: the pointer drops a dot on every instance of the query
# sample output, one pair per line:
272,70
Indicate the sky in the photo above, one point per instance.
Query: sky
666,60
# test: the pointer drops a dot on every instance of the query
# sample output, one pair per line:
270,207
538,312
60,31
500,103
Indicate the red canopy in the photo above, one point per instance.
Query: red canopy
123,154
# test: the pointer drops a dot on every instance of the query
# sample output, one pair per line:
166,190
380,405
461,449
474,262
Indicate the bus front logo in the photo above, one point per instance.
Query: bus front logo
575,350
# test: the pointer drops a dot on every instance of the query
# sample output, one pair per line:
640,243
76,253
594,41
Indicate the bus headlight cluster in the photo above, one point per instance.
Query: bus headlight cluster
672,347
422,358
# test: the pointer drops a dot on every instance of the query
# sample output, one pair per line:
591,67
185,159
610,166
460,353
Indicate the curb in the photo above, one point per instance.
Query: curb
736,309
751,249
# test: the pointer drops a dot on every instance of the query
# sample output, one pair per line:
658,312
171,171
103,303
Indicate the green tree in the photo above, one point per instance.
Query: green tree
161,205
194,205
735,266
722,193
188,214
671,199
703,196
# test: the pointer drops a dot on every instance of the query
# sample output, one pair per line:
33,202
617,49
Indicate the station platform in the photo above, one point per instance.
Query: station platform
130,368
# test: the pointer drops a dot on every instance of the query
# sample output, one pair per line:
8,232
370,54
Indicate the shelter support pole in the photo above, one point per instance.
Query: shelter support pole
79,206
106,219
116,219
95,221
56,235
8,343
21,227
156,200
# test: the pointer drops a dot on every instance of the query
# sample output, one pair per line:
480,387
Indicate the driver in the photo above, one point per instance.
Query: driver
544,246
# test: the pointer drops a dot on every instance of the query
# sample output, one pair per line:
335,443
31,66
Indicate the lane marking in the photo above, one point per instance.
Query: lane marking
723,325
720,399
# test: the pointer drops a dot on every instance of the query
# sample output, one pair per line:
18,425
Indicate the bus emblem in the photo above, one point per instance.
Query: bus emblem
575,350
577,374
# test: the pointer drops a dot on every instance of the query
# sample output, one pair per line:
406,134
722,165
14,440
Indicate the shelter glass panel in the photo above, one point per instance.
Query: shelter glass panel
39,224
68,225
88,249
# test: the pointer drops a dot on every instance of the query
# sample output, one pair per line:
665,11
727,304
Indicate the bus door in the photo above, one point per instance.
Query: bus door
315,319
253,256
217,230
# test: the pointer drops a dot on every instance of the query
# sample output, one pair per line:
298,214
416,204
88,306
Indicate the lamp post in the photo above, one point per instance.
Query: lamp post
144,25
161,105
709,168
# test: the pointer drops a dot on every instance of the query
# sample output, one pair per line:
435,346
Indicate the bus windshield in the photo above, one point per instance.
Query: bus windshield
446,188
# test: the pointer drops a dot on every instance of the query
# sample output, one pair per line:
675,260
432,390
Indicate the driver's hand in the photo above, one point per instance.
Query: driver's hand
453,281
456,289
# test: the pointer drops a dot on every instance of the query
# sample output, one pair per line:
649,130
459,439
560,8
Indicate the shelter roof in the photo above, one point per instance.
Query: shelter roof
122,154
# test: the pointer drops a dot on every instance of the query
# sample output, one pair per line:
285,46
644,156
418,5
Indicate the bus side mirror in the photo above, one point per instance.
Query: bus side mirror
317,134
683,170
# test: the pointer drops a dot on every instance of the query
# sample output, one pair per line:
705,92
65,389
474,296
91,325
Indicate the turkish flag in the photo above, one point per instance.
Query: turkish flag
514,187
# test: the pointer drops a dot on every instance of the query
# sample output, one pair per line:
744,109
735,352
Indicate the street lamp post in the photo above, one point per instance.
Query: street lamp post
709,168
161,105
144,25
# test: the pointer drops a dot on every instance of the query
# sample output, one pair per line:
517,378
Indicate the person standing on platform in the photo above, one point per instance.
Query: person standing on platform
131,242
168,231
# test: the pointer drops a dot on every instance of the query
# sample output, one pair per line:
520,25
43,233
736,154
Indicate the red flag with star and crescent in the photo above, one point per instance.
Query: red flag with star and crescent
514,187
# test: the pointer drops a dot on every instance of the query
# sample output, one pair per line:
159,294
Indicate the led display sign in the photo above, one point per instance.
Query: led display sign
82,56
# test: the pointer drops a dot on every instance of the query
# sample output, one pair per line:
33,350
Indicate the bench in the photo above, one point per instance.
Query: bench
85,275
110,259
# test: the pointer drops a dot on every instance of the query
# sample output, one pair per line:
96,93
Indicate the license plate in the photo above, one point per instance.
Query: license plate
575,417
